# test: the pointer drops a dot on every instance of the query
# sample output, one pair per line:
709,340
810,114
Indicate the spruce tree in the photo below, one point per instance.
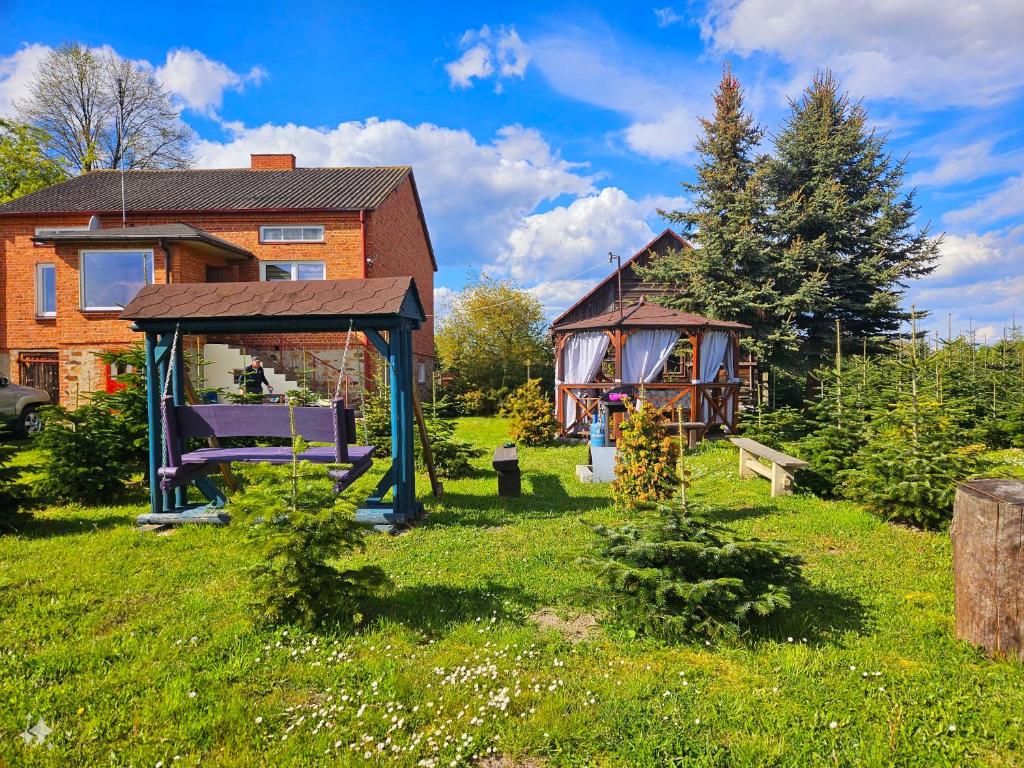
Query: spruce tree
730,276
532,415
842,228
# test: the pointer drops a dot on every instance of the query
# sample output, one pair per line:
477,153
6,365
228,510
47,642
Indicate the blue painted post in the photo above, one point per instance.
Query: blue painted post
178,392
397,445
409,492
153,415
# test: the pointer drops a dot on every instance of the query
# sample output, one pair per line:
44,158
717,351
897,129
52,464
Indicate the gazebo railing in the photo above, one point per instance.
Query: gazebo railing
715,398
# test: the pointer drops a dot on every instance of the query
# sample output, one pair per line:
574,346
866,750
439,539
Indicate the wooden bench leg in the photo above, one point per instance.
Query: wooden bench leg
746,472
782,481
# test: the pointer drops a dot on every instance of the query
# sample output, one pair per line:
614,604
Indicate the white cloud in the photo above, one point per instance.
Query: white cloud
655,96
474,193
443,297
200,82
16,71
1005,202
670,136
667,16
485,52
555,296
935,52
971,253
559,244
961,164
475,62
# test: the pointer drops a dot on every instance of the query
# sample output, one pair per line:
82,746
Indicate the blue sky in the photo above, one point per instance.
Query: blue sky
544,136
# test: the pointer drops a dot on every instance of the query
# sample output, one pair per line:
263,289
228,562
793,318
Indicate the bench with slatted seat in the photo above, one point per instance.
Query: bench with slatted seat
780,472
334,424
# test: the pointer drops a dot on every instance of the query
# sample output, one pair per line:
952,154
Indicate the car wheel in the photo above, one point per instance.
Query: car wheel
30,422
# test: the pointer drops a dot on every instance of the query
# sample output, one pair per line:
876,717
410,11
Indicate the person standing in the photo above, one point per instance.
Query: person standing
253,378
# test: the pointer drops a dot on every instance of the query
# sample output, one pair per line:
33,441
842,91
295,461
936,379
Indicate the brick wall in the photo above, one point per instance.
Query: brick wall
394,236
397,244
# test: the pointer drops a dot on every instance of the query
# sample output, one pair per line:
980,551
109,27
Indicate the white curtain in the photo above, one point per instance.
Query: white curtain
731,363
644,355
714,347
581,359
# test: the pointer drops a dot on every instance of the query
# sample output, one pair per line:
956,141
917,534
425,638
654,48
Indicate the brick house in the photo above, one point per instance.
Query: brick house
71,256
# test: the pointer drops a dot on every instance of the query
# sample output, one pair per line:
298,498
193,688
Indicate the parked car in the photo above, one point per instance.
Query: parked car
19,407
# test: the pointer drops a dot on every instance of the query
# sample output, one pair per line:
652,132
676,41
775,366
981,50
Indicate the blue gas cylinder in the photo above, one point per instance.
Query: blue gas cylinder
598,436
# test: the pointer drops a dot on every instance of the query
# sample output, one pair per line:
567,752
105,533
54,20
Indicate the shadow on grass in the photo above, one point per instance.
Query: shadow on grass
735,514
32,527
544,497
433,608
817,616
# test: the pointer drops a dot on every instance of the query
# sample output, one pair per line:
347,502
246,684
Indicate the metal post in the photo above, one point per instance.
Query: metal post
397,445
153,410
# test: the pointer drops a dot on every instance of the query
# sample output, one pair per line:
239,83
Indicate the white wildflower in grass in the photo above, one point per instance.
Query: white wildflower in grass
259,719
833,725
191,694
952,728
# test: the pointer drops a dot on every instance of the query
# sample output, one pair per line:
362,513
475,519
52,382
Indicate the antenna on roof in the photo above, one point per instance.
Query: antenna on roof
124,210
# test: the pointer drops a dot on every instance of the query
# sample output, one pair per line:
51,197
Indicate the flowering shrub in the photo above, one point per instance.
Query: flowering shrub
645,471
532,414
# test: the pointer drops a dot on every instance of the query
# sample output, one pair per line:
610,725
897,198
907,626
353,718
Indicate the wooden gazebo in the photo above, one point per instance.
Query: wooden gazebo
678,359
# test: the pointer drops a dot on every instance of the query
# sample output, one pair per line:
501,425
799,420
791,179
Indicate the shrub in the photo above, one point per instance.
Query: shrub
472,402
532,415
13,494
645,470
680,573
909,466
128,402
87,457
300,524
451,456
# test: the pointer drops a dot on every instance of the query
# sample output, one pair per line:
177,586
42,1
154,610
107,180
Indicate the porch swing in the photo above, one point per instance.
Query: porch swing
373,306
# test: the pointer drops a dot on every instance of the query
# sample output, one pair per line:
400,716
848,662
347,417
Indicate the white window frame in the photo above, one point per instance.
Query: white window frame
39,289
293,265
283,241
82,276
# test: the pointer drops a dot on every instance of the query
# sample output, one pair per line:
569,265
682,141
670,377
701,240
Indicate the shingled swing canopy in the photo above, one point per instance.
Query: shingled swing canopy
641,339
385,310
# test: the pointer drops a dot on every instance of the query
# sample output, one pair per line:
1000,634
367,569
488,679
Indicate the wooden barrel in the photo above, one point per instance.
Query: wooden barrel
988,565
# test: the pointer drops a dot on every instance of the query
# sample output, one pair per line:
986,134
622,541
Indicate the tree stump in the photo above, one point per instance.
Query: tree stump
988,565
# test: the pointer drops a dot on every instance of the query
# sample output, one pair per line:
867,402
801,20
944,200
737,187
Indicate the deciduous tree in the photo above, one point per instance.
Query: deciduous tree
99,110
24,165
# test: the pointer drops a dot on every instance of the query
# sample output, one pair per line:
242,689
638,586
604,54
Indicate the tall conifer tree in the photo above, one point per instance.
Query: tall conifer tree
729,276
840,220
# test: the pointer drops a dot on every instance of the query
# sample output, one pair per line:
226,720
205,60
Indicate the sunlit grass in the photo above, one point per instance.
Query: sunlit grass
137,648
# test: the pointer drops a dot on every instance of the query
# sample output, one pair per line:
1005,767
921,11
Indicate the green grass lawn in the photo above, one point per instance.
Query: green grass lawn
138,649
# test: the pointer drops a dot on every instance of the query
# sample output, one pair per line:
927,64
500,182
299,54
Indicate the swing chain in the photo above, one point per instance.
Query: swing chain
165,484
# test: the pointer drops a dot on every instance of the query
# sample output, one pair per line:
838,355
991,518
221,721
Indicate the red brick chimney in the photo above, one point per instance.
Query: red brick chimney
272,162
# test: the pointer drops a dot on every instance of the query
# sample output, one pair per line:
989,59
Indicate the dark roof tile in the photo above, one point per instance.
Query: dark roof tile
337,189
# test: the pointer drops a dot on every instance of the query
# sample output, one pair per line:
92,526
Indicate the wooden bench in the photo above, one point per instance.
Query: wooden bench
782,466
334,424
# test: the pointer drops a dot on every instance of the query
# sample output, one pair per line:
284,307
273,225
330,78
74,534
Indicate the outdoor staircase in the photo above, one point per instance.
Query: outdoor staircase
223,361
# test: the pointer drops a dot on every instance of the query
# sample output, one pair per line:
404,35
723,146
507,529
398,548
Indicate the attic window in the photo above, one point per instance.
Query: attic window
303,233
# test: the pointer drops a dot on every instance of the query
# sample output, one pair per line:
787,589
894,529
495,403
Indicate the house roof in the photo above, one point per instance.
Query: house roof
645,315
223,189
216,189
169,232
299,299
628,263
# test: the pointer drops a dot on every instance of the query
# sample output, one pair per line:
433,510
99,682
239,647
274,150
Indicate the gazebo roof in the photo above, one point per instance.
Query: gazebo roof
644,315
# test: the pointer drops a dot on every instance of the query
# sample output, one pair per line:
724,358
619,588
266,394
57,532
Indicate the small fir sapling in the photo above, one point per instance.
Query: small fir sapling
915,452
301,525
87,456
675,572
14,494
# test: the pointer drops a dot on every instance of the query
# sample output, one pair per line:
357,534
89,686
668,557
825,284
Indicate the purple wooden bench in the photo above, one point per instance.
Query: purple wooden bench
335,424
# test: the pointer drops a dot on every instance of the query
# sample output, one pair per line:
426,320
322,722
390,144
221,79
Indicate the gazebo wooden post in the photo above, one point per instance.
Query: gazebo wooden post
559,407
617,339
697,394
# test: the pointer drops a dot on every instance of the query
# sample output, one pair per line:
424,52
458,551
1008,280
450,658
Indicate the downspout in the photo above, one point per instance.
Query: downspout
167,260
366,269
